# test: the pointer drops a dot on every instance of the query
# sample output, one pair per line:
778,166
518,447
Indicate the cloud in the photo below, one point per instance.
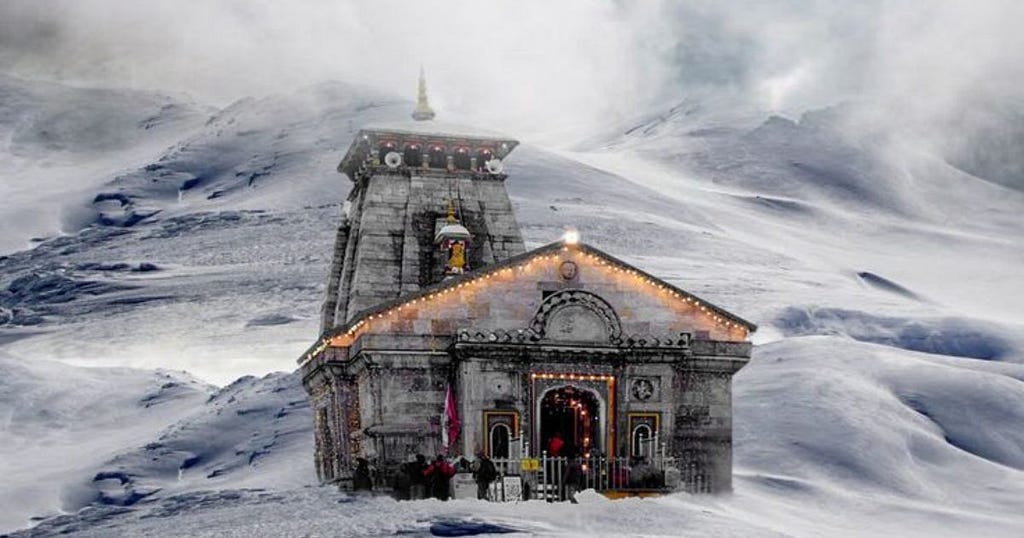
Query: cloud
526,64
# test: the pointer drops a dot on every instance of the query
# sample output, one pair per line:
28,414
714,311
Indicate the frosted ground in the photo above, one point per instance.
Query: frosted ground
886,394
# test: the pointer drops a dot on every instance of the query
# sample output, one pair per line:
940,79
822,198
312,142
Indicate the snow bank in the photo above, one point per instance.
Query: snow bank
58,422
256,432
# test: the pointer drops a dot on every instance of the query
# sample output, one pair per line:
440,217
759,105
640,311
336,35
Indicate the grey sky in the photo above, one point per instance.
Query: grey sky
518,63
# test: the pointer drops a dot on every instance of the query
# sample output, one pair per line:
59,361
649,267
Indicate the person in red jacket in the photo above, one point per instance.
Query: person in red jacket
438,475
555,445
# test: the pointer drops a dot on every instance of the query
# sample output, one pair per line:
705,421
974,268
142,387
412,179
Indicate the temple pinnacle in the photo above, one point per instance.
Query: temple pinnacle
423,110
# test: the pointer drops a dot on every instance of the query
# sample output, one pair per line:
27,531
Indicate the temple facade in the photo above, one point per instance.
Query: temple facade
436,314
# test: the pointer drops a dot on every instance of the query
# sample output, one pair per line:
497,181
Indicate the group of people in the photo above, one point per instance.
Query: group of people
418,479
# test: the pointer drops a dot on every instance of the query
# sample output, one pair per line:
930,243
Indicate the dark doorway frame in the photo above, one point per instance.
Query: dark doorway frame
574,414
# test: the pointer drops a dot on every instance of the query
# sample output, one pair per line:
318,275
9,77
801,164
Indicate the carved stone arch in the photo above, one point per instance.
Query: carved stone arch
578,316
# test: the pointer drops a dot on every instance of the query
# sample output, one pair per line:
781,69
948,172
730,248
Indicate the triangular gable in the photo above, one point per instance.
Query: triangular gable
391,312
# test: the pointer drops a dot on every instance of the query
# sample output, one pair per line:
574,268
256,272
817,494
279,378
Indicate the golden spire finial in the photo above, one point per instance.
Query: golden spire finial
451,211
423,110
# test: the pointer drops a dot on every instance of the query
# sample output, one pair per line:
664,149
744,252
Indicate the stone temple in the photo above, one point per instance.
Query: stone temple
436,309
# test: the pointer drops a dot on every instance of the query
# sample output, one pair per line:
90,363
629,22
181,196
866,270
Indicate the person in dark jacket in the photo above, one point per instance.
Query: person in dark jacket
484,472
417,480
438,474
573,479
362,481
401,484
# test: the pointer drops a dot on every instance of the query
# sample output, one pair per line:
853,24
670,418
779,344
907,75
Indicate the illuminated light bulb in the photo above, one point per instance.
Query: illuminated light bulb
571,237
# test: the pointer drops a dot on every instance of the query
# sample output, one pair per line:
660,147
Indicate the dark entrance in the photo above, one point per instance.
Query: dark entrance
571,415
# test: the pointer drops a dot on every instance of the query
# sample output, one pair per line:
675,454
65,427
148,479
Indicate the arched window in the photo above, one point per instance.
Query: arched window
413,155
641,445
462,158
438,158
386,147
483,155
500,437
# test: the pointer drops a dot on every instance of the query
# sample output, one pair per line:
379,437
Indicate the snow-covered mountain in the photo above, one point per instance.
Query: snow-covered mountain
58,143
885,280
61,422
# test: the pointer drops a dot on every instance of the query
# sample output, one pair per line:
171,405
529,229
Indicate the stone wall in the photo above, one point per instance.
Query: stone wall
401,401
387,245
702,427
509,299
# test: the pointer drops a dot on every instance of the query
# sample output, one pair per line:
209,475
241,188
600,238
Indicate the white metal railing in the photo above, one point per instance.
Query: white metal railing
558,478
653,450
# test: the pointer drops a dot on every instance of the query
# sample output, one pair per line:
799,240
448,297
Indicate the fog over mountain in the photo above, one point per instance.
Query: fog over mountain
539,67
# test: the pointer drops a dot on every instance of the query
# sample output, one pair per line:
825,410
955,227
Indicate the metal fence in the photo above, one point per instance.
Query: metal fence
559,478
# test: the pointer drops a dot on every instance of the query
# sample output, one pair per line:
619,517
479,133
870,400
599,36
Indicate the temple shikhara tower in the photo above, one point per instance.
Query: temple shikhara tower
442,334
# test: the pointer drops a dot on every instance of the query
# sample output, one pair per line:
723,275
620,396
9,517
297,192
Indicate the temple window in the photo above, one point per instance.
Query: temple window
462,158
500,437
483,155
641,445
438,157
386,147
413,155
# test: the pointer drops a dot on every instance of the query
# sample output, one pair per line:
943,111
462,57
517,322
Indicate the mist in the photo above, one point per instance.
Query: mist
535,68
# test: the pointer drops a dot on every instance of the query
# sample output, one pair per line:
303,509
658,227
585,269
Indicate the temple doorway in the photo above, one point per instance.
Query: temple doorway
570,422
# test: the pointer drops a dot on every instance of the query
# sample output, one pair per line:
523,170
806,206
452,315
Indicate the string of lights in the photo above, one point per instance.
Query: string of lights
574,377
529,265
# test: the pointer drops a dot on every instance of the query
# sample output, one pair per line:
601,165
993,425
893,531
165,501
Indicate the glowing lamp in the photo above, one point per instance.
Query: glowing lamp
571,237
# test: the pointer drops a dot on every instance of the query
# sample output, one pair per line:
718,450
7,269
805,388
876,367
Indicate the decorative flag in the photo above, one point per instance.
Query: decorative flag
449,421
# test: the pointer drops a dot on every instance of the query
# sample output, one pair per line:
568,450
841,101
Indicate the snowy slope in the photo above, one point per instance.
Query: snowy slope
57,143
213,221
840,197
246,434
867,439
277,152
115,436
833,437
59,422
210,253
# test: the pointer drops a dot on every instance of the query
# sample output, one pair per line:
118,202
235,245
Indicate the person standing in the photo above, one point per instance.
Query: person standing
573,479
484,472
438,475
555,445
401,483
362,480
417,479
